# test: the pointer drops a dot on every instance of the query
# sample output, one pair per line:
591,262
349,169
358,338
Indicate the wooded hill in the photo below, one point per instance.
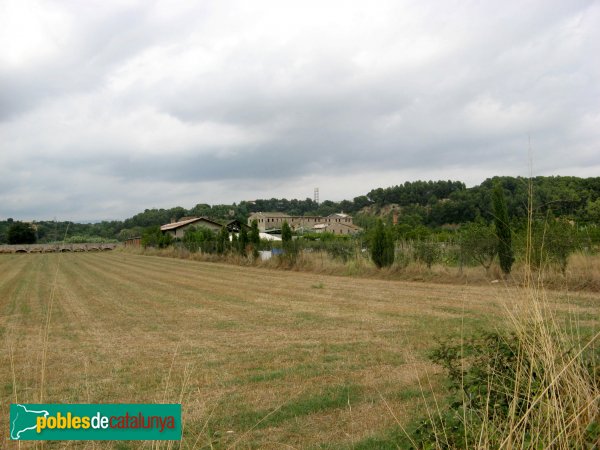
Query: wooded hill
430,204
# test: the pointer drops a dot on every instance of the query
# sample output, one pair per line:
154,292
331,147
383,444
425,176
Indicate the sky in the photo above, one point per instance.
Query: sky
108,107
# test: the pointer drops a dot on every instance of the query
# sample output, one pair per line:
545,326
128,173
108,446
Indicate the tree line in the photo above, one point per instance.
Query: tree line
421,206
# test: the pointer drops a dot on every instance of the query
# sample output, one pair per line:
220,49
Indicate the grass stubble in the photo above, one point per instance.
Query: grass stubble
555,387
258,358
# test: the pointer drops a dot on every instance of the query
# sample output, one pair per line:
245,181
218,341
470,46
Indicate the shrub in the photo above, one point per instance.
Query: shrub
243,241
153,237
428,252
254,238
553,242
200,238
21,233
382,246
506,387
223,241
503,232
478,242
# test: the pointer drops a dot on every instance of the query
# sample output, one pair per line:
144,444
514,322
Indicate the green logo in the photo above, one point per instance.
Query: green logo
95,422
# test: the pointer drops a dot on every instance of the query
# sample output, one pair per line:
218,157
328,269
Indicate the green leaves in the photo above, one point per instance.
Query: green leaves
503,233
21,233
382,246
478,242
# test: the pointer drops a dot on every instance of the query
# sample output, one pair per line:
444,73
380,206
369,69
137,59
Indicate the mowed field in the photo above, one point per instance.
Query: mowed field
258,358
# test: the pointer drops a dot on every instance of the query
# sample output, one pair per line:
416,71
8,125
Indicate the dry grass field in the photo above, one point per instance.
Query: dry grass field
259,358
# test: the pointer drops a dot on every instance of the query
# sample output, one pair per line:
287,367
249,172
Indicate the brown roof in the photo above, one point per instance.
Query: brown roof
181,223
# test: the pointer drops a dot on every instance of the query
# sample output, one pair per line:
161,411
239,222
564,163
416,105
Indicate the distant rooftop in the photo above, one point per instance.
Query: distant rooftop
187,221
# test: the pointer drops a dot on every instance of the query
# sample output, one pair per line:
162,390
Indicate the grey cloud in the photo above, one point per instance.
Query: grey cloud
488,77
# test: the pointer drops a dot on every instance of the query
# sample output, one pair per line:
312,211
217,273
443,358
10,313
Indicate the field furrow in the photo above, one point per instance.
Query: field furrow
232,344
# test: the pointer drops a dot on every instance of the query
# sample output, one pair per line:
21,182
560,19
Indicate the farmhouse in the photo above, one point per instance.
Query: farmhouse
338,223
336,228
235,226
178,229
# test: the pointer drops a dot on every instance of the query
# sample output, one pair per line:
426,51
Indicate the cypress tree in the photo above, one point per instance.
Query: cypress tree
222,240
382,246
286,235
254,237
503,233
243,241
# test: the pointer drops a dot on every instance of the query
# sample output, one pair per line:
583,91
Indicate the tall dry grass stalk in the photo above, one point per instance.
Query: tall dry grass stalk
556,394
582,274
552,384
555,389
562,394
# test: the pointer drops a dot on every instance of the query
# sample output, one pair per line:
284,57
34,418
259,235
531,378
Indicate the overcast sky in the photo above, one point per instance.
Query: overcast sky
111,107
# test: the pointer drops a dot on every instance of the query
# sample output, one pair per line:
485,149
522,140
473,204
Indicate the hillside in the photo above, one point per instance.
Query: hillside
429,204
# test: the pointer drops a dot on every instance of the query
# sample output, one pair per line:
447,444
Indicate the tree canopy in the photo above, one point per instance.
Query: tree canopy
21,233
422,206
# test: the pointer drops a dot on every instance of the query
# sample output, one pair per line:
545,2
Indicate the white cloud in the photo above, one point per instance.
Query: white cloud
31,32
128,105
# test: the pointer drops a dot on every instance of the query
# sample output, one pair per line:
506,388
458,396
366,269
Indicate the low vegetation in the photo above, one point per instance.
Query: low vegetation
424,207
262,358
258,358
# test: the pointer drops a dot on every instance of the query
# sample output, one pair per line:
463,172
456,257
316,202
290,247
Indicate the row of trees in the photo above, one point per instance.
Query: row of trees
542,241
478,243
423,205
203,239
21,233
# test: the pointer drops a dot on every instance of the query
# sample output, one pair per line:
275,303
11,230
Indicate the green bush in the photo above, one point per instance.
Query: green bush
153,237
503,231
382,246
553,241
478,243
200,238
428,252
492,380
21,233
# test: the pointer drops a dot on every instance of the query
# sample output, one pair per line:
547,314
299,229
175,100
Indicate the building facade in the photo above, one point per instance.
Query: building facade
338,223
177,229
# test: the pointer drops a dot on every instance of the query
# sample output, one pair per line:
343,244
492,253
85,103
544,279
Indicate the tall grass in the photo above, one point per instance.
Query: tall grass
583,272
556,394
533,383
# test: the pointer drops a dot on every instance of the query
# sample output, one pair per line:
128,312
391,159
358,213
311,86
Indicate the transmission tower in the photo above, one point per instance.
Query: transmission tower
316,195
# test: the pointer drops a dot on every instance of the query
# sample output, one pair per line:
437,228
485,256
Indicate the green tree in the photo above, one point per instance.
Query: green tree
243,243
234,242
254,233
254,237
200,238
427,252
153,237
382,246
290,247
286,236
503,232
223,241
593,210
478,242
553,241
21,233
